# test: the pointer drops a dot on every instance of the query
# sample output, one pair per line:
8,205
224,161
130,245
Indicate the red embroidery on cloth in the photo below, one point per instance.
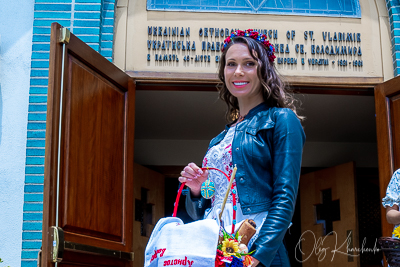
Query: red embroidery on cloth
158,251
220,156
178,262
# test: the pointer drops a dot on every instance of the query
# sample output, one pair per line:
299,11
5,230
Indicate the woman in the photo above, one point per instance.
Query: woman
392,201
265,142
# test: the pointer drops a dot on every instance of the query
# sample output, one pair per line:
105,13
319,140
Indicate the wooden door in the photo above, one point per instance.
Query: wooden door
89,171
387,107
149,208
328,218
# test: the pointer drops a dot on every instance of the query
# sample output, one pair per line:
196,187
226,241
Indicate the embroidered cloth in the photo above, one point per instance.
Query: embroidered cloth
220,156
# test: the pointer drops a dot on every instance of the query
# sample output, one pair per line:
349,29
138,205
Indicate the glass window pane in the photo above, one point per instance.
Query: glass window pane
302,4
329,8
318,5
335,5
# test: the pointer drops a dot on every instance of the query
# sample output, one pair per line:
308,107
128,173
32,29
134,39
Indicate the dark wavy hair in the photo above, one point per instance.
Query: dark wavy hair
276,93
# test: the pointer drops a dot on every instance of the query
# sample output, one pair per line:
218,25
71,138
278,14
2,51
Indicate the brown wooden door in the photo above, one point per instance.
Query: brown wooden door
89,171
387,107
328,217
149,208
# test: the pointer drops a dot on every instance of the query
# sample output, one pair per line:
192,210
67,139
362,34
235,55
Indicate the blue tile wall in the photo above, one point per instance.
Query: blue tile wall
328,8
394,18
93,22
32,245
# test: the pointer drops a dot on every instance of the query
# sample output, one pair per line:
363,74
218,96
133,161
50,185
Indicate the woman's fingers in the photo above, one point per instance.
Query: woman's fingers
194,185
186,175
193,176
197,170
188,172
183,179
191,171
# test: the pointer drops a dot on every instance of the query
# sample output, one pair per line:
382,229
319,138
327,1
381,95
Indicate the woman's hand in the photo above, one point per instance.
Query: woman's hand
255,262
193,176
393,214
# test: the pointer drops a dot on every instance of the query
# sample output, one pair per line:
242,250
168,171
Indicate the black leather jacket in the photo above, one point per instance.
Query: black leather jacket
267,150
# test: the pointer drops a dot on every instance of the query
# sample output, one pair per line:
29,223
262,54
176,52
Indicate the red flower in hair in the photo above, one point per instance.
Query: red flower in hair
254,35
262,38
240,33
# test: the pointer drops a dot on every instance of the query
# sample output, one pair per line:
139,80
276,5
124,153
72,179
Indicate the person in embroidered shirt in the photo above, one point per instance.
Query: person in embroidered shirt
391,202
264,139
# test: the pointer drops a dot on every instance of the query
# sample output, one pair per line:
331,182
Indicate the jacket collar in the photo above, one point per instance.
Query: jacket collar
256,109
252,113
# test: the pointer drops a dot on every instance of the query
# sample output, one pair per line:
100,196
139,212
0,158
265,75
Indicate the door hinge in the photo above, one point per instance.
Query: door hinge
65,35
99,251
39,258
56,242
59,245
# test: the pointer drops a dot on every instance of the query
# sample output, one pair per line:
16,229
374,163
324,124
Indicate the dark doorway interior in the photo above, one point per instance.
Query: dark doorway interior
369,219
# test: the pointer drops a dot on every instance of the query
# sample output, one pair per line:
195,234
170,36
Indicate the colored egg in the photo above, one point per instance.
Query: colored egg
243,248
208,189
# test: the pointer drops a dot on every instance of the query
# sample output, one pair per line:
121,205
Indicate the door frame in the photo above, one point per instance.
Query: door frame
180,81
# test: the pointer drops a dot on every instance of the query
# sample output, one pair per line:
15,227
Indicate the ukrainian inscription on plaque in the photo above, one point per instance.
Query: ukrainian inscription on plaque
175,44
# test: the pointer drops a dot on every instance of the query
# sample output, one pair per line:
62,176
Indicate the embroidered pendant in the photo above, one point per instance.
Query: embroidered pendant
208,189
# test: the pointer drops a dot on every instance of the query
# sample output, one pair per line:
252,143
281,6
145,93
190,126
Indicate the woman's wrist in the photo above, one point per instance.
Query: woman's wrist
255,262
195,193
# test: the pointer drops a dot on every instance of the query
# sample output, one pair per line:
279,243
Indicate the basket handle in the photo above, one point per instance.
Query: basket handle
226,195
177,199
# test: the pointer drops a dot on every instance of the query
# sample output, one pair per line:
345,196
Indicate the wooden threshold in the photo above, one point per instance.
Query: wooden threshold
180,81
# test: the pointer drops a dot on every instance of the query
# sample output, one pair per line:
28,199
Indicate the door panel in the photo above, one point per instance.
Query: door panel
89,171
328,217
387,107
149,192
93,149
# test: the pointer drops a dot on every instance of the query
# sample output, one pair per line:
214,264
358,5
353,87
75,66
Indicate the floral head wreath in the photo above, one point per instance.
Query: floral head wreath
262,38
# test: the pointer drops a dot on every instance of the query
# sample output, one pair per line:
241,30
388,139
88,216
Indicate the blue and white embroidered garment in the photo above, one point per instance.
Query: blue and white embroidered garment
220,157
393,193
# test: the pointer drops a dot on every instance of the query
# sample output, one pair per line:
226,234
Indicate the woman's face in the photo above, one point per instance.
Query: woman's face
241,74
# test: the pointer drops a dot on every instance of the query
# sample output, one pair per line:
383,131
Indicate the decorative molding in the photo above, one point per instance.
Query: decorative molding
176,81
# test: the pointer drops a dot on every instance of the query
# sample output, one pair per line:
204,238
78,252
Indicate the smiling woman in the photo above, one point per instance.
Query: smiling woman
249,55
264,139
241,77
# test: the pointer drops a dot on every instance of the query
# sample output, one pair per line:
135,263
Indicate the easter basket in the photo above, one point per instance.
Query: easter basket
201,243
391,248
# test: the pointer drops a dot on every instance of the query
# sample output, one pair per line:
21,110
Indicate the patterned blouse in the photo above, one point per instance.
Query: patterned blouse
220,157
393,193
